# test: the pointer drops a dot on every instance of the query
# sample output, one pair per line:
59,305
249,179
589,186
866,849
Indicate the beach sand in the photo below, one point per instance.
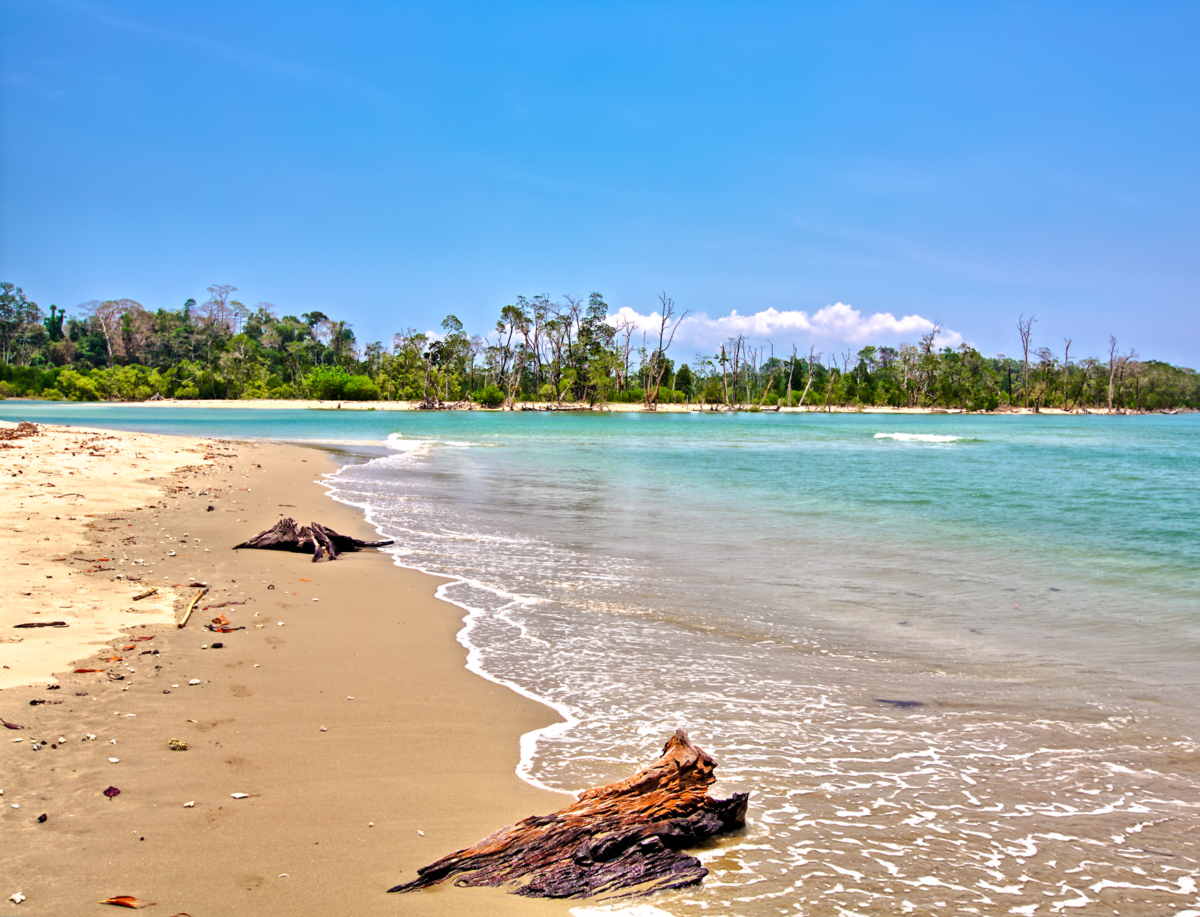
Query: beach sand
417,756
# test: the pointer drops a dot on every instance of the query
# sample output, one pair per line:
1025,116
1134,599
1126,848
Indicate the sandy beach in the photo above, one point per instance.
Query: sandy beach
342,711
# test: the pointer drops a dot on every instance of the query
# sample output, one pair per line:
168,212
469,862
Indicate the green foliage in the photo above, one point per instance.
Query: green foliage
327,383
540,350
491,396
76,386
360,388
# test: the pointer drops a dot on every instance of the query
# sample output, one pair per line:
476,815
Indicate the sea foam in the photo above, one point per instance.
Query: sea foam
918,437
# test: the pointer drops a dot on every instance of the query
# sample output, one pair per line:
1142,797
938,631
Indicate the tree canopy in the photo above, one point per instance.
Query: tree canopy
541,351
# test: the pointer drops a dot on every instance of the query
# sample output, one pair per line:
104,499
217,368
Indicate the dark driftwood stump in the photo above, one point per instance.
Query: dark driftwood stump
313,539
617,841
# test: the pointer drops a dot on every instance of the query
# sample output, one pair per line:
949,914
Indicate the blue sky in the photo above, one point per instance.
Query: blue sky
391,163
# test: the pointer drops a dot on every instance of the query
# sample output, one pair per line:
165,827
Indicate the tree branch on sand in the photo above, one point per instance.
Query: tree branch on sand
620,840
316,539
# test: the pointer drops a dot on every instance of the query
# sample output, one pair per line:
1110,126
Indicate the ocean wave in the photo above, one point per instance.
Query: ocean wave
398,442
919,437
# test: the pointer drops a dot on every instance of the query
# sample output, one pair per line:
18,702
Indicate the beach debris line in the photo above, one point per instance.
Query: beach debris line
316,539
624,839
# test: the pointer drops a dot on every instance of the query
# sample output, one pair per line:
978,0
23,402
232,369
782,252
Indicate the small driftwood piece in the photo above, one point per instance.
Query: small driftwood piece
192,607
620,840
316,539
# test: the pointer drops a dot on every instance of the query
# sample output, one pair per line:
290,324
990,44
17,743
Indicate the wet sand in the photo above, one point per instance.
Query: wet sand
416,758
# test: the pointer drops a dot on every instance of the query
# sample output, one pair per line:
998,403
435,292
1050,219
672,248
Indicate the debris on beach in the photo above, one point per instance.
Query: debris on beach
316,539
179,745
127,901
111,792
20,431
44,624
192,605
618,840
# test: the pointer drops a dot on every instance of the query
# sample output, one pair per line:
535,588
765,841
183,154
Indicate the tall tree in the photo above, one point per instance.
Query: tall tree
1025,329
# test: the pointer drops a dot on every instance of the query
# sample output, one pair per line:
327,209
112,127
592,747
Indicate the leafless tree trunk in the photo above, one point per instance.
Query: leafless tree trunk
791,372
657,362
1066,372
735,356
1113,359
810,370
625,348
1025,329
829,385
770,383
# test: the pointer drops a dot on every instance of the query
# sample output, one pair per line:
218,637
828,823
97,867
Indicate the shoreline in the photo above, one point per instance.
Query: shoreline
611,408
333,816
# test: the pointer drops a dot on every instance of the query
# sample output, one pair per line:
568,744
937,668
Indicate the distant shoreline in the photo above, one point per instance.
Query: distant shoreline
568,408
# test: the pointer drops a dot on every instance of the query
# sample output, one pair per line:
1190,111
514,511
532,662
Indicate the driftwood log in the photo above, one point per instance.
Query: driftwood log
316,539
620,840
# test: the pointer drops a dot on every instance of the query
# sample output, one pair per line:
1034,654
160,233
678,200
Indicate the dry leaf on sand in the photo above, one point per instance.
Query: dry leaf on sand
127,901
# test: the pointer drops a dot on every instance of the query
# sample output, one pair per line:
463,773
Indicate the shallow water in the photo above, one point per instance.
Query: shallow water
1025,587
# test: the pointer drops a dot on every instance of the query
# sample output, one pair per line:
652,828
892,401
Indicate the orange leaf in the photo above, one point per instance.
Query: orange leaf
101,559
127,901
114,658
303,580
132,646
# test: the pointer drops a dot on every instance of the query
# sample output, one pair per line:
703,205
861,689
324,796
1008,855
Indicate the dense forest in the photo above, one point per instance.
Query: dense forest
567,353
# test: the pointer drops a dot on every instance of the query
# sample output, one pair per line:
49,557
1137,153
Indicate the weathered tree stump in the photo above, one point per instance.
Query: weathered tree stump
620,840
316,539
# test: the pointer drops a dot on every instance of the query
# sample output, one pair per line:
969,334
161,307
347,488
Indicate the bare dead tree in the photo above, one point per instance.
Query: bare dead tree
1112,368
810,368
108,315
624,337
833,363
733,355
1117,365
791,372
1066,372
1025,329
771,377
656,365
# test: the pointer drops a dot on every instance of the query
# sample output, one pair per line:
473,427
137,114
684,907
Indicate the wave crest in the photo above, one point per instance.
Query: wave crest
918,437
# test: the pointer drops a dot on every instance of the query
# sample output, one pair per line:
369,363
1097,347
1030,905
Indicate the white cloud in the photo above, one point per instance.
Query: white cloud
836,324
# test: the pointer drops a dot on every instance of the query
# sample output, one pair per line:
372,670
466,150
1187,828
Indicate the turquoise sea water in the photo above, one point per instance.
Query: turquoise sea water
1028,587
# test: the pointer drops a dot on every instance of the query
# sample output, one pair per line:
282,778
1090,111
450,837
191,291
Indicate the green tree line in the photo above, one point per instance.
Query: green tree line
568,353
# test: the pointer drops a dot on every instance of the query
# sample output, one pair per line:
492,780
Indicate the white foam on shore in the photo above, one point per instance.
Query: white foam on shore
918,437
